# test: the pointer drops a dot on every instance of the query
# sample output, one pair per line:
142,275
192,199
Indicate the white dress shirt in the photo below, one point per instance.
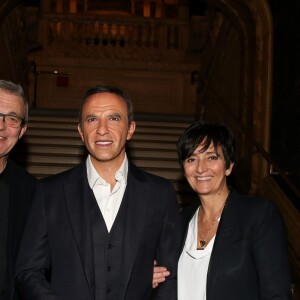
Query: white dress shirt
109,201
193,265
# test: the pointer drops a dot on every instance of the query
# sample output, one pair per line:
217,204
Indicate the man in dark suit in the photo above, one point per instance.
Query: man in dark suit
95,230
16,185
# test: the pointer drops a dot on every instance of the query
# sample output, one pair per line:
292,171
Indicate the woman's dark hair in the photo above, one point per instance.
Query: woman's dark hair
203,132
99,89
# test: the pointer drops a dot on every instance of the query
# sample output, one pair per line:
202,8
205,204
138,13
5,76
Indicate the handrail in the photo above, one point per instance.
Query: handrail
196,79
33,68
35,71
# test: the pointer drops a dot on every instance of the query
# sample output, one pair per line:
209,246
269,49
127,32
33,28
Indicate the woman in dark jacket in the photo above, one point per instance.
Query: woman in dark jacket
234,246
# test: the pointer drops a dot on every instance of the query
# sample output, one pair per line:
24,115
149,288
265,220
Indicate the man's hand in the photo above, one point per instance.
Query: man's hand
159,274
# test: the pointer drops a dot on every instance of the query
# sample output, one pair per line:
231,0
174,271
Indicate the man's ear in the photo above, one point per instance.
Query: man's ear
22,131
131,130
80,132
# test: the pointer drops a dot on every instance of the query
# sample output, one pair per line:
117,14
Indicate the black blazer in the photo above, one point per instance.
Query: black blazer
21,191
249,256
57,244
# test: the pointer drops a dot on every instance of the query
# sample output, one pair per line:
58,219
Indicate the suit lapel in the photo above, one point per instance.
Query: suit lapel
75,195
137,205
223,238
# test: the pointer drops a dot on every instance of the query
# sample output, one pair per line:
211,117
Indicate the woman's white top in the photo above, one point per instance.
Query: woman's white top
193,265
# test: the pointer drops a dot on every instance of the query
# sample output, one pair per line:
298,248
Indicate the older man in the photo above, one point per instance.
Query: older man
16,185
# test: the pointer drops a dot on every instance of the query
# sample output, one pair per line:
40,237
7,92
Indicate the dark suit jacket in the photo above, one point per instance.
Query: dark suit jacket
57,244
249,256
21,191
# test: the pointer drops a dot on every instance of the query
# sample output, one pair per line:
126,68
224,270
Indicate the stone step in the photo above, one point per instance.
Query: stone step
74,121
37,149
56,160
45,169
76,141
41,133
34,126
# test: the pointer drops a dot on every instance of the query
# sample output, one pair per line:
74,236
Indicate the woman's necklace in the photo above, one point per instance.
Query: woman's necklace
202,241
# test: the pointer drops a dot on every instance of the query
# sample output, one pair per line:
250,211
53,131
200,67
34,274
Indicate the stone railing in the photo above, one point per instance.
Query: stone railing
116,31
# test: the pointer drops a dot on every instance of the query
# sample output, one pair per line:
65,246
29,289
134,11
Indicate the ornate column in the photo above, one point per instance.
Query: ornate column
73,6
147,8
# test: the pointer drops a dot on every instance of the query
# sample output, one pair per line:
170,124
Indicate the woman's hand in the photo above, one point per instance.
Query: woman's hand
159,274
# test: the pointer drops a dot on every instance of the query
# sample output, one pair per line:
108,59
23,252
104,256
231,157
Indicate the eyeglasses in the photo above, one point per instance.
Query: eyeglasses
12,120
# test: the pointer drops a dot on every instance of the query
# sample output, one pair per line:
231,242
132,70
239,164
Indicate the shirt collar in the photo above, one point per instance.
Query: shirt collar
94,177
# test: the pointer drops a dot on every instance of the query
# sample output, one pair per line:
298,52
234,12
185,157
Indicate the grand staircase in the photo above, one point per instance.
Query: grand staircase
52,144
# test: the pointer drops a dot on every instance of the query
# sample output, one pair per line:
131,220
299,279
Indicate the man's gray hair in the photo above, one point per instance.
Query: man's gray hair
17,90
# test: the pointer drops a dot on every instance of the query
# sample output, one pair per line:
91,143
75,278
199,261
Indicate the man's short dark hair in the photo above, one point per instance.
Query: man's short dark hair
99,89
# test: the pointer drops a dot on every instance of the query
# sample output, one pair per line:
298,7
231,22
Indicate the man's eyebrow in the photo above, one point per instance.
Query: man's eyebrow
12,113
90,115
115,115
